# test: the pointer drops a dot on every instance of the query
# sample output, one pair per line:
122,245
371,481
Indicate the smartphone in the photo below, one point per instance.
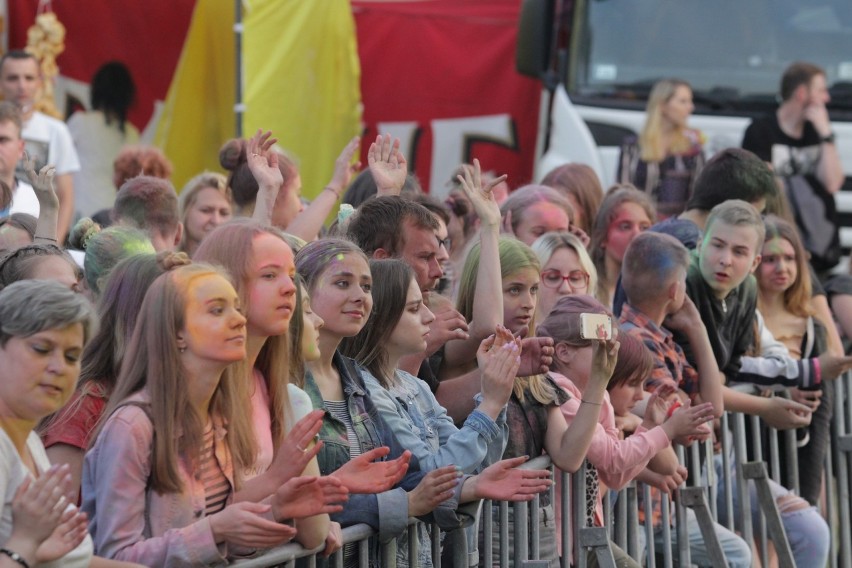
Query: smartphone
597,327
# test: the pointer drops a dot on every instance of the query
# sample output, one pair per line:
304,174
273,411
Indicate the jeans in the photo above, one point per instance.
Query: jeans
806,530
737,552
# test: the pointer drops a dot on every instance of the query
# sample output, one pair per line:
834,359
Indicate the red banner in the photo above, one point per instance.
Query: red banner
441,75
147,36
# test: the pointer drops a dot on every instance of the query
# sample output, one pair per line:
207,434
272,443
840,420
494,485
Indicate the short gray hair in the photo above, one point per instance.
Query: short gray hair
28,307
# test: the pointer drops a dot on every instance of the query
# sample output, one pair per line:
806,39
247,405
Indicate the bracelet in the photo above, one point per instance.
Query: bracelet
817,371
15,556
331,189
675,405
590,402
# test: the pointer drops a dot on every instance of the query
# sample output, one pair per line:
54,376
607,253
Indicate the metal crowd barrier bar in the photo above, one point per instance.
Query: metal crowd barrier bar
360,534
841,450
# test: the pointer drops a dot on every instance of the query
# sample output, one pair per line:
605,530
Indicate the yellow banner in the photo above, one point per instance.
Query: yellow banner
302,79
198,116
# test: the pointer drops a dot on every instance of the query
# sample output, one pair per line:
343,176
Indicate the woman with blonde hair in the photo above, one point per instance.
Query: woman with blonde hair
205,203
667,157
566,268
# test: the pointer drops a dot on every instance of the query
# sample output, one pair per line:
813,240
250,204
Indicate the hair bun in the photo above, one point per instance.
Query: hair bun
169,260
232,154
82,233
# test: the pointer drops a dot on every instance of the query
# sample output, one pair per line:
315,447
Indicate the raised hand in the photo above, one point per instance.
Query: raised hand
436,487
604,357
308,496
387,165
503,481
344,169
42,183
364,474
262,160
498,357
481,194
241,524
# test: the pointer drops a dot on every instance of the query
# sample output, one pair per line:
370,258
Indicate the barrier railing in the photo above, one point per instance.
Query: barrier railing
717,481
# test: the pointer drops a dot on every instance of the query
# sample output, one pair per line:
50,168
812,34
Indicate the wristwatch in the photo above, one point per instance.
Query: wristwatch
827,139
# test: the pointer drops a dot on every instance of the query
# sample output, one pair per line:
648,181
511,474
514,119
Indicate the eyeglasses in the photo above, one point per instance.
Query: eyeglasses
577,279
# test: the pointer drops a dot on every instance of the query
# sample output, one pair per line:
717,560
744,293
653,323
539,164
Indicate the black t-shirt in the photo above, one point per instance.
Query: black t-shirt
799,158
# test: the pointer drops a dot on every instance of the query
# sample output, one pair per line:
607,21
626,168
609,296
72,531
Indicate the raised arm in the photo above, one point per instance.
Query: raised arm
263,162
710,380
567,444
47,227
387,165
488,298
829,169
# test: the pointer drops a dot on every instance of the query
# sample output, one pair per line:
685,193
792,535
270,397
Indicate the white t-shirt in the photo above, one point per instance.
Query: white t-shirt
24,200
12,474
48,141
98,144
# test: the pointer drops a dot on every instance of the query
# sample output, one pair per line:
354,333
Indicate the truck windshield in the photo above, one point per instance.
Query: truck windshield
732,52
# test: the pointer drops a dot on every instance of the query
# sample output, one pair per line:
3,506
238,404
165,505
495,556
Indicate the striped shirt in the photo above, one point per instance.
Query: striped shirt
210,474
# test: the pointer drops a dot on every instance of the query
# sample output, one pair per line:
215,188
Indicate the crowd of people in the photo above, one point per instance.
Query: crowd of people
196,377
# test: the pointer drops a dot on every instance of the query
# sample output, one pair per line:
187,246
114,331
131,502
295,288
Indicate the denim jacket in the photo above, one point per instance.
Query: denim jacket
130,521
385,512
422,425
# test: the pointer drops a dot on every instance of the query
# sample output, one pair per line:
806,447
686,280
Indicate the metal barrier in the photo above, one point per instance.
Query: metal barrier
705,492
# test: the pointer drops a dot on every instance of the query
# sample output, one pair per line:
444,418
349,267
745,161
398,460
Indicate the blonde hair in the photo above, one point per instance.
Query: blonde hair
651,137
546,245
514,256
189,195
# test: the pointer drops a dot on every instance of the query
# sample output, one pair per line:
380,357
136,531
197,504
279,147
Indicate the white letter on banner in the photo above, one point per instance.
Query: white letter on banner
451,138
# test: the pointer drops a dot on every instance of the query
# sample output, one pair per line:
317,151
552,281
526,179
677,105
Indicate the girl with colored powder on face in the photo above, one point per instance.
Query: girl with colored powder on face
176,437
536,425
624,213
339,281
785,302
398,326
265,280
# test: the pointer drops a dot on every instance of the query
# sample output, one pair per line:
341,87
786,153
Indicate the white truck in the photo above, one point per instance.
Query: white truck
598,60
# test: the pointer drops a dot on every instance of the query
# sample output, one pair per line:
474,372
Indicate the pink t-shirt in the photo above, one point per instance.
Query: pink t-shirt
617,461
262,421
